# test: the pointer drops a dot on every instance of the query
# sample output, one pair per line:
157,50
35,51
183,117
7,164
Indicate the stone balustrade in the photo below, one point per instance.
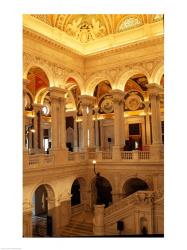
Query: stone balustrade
113,212
38,161
45,160
107,155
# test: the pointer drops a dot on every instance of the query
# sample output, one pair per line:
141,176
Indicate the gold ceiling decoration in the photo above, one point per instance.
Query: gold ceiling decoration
86,28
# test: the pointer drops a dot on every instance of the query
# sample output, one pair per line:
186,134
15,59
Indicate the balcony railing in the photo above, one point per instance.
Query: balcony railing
44,160
126,155
143,155
40,160
107,155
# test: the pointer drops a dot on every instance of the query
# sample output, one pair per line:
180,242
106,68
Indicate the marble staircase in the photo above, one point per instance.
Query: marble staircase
77,229
80,225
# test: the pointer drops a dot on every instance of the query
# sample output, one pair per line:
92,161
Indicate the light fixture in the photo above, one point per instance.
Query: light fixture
32,130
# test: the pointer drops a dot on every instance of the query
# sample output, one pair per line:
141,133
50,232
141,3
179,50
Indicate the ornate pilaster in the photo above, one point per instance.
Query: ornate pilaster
96,129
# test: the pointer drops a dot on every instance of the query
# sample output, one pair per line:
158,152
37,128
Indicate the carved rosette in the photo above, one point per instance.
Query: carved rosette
133,102
107,105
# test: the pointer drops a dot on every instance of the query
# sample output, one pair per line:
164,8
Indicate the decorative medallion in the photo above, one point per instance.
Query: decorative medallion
107,105
133,102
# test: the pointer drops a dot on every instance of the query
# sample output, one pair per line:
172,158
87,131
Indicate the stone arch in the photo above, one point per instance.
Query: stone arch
157,73
28,91
72,98
43,198
82,183
125,75
78,79
40,96
107,193
49,187
94,80
134,184
45,68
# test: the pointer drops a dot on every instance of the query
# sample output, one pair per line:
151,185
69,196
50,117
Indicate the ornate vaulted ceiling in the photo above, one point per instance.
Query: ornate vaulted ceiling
91,34
86,28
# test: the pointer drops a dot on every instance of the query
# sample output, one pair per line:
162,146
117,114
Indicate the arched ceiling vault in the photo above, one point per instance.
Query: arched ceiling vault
89,27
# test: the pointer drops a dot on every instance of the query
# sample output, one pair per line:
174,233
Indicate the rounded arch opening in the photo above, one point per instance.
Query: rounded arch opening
38,80
43,199
124,77
93,81
78,191
101,190
133,185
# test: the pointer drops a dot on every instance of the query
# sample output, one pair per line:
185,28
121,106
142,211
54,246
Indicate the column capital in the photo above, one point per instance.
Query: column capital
37,107
154,89
118,95
56,93
87,100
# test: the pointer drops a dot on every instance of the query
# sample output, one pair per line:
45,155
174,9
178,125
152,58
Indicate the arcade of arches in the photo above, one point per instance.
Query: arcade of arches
93,125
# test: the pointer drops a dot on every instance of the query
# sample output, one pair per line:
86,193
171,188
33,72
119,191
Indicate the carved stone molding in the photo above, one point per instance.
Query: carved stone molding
58,72
144,198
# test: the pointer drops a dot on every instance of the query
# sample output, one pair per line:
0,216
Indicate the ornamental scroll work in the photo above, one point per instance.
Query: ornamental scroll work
85,31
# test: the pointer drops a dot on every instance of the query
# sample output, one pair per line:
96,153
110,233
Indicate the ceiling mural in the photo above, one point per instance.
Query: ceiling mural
86,28
129,23
137,82
38,80
102,88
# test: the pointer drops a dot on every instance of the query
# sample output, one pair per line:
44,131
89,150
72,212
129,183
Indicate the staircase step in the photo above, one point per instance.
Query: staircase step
77,228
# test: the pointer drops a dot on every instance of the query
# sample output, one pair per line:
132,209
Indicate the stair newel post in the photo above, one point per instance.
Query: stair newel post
98,220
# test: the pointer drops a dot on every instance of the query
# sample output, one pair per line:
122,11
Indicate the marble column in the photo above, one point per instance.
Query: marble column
87,103
62,121
41,134
58,124
147,123
91,127
96,129
54,132
154,90
24,95
98,220
157,146
118,102
75,137
37,120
